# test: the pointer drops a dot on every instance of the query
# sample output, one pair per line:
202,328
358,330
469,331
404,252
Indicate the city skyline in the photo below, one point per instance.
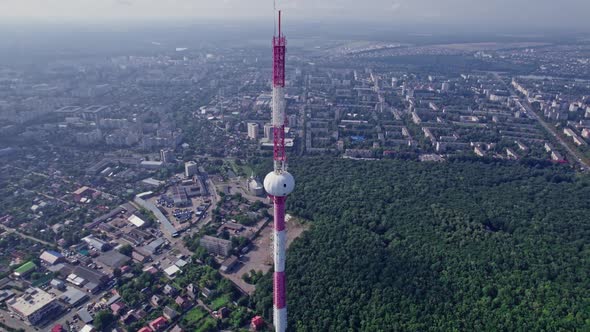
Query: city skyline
487,14
438,165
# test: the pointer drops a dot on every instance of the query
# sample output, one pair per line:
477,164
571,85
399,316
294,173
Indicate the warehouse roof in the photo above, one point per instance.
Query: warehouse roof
25,268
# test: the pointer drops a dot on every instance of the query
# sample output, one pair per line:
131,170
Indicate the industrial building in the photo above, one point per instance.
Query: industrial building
89,279
151,165
216,246
25,269
73,297
113,259
96,243
34,306
52,257
180,196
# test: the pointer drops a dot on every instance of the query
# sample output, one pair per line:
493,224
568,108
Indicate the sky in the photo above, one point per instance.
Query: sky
558,13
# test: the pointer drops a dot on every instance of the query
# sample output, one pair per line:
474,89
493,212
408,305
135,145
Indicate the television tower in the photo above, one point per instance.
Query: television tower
279,183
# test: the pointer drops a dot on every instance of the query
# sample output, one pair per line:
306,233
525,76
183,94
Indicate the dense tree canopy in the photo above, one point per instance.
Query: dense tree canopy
398,245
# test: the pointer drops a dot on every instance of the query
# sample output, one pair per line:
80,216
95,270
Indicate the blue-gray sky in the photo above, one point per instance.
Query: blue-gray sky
521,12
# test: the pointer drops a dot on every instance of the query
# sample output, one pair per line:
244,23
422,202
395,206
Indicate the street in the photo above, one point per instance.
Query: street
575,157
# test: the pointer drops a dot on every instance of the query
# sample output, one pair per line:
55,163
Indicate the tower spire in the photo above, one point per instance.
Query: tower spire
279,183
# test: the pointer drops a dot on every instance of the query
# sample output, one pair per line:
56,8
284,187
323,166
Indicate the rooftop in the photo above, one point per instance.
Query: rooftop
172,270
31,301
26,267
73,296
136,221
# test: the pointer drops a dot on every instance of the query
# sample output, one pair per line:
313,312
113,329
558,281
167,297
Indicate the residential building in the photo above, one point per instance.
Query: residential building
268,131
170,314
190,168
253,129
216,246
167,156
158,324
257,323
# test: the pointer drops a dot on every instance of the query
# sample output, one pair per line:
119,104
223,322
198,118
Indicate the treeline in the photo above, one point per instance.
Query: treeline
464,246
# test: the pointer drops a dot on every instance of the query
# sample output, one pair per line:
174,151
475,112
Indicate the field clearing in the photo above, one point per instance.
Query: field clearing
194,316
260,256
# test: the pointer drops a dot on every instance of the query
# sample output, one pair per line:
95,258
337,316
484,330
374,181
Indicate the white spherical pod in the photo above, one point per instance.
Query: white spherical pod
279,184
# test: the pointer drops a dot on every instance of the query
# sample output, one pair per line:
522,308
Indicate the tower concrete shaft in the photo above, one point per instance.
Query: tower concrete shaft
279,278
279,183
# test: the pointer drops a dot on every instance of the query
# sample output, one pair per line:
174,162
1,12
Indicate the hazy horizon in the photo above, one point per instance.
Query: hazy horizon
498,14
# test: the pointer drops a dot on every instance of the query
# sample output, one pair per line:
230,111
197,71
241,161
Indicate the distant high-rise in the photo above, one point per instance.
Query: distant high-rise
292,120
446,86
253,131
268,131
190,168
167,156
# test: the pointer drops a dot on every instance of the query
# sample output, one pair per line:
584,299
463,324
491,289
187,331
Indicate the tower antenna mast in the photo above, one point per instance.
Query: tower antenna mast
279,183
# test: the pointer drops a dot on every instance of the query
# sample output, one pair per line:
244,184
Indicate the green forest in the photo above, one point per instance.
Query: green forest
455,246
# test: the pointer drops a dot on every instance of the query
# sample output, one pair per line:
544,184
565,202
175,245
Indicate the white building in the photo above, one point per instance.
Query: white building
151,165
190,168
253,131
136,221
34,306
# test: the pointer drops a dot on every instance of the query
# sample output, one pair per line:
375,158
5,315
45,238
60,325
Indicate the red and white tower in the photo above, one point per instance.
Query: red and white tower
279,183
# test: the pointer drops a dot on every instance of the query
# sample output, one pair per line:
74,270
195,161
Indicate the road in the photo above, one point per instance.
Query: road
13,322
68,316
574,155
12,230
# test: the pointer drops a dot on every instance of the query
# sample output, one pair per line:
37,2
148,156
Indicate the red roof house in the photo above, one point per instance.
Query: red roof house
257,323
158,323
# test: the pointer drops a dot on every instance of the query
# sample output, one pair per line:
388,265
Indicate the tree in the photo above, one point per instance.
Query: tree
126,250
103,320
408,246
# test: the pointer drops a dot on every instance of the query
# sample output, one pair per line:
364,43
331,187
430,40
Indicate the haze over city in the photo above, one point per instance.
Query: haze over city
492,13
298,165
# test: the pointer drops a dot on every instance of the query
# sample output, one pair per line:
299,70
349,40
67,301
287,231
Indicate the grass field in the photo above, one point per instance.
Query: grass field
207,325
220,302
193,317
